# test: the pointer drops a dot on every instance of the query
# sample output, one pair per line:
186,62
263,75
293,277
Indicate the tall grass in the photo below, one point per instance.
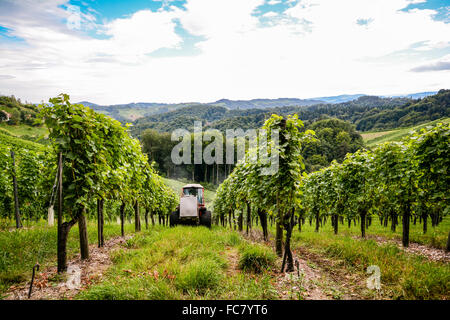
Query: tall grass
403,275
179,263
21,249
256,258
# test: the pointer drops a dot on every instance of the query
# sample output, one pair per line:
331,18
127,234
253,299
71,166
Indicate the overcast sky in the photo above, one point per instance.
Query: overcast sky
110,52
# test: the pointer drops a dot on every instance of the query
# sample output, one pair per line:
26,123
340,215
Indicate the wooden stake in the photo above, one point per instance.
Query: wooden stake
16,196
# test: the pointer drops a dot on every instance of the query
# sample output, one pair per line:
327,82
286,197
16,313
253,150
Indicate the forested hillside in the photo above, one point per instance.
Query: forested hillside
366,112
334,139
265,103
132,111
13,111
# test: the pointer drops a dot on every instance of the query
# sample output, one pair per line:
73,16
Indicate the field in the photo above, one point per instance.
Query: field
197,263
419,272
24,130
375,137
233,260
11,140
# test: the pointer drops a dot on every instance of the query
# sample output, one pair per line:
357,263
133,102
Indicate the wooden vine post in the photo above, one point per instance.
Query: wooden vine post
61,249
16,196
100,222
122,219
137,217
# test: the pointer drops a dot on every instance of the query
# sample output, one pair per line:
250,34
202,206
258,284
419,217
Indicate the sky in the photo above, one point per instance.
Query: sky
112,52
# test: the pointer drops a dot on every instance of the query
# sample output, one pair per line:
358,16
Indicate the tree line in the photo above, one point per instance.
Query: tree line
335,138
366,113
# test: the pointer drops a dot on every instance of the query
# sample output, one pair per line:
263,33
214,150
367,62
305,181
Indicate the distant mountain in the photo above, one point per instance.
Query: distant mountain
366,113
88,104
265,103
340,99
132,111
419,95
350,97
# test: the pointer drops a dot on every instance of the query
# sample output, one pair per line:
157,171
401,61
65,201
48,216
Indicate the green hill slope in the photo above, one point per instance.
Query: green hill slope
373,138
11,140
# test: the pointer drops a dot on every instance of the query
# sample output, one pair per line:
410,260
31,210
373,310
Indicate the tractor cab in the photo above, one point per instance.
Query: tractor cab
194,190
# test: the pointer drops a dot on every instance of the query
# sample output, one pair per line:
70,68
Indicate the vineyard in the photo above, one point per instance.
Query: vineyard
399,182
385,206
92,164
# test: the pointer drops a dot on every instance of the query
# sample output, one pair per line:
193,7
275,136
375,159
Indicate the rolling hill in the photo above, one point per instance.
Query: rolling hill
373,138
367,113
133,111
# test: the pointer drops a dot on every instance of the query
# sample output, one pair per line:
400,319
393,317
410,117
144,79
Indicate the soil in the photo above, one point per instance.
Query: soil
232,255
314,278
433,254
48,285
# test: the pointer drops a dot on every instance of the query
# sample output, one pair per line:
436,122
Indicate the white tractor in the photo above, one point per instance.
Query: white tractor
192,209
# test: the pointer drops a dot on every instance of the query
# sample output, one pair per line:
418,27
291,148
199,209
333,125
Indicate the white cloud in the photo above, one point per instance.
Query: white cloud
270,14
143,32
216,18
314,48
436,65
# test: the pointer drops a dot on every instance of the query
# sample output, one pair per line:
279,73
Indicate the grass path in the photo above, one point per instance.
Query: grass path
181,263
24,130
198,263
20,249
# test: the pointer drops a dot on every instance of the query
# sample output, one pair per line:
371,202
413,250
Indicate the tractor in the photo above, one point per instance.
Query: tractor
192,209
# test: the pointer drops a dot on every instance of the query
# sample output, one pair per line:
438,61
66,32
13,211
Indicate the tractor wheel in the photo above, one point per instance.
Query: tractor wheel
174,218
205,219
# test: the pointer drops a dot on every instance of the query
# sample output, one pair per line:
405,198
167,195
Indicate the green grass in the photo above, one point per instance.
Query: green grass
6,138
435,237
256,258
403,275
375,137
20,249
24,130
198,263
179,263
199,276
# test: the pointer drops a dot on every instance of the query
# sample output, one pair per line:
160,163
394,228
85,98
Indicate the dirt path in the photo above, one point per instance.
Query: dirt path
344,283
318,278
314,278
305,283
232,255
48,285
433,254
